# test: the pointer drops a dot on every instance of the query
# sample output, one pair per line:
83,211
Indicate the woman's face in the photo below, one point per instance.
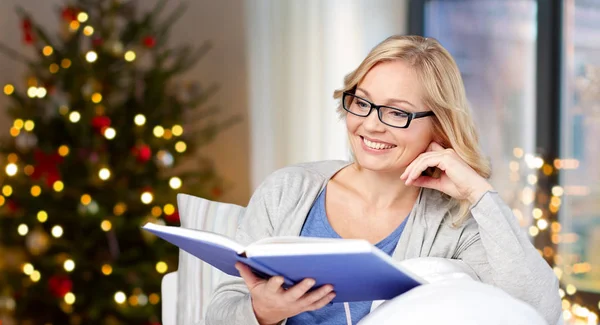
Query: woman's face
380,147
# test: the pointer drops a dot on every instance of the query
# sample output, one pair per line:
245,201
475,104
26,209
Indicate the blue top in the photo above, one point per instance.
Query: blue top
317,225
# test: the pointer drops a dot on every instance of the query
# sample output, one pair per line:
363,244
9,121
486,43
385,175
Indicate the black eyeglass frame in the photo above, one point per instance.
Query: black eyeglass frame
411,115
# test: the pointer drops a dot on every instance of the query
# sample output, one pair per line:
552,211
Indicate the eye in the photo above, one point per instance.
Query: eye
362,104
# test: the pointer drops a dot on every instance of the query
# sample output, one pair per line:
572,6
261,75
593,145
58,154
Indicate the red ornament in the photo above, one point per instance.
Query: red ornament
216,192
12,205
97,42
173,217
59,285
100,123
27,31
47,166
143,153
149,41
69,14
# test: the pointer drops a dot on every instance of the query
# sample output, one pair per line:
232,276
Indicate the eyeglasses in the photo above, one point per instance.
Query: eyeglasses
391,116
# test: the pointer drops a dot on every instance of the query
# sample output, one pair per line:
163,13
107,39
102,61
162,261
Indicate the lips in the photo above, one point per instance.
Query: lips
377,144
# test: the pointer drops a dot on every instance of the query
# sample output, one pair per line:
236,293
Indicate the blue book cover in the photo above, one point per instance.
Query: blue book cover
357,270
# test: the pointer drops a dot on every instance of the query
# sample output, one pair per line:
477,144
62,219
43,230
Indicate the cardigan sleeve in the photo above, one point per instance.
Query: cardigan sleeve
502,255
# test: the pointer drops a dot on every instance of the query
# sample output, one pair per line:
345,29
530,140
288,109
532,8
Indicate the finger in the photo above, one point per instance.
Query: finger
274,284
296,292
428,182
434,146
410,166
250,279
423,164
321,302
318,294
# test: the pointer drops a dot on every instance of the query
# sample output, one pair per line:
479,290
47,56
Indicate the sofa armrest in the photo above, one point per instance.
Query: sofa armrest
168,290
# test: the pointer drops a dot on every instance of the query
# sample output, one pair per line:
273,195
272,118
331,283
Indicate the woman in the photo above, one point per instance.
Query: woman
416,187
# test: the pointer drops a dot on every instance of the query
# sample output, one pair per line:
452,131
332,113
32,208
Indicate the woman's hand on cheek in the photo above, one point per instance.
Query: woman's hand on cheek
458,179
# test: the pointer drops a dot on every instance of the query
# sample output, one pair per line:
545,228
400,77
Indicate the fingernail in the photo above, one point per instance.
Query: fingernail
311,282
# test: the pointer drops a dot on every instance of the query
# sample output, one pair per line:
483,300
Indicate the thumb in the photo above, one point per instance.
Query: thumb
246,273
428,182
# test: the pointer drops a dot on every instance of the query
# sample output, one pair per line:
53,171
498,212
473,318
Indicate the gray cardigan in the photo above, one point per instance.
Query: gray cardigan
490,243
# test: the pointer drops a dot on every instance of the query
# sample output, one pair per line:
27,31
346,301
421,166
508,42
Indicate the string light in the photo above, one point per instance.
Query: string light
53,68
110,133
86,199
533,231
169,209
82,17
7,190
129,56
22,229
32,92
158,131
180,146
104,174
175,182
161,267
11,169
47,50
106,225
42,216
542,224
70,298
168,134
69,265
18,123
154,298
74,117
35,276
177,130
36,190
63,109
63,150
28,268
74,25
14,131
156,211
88,31
65,63
133,300
106,269
96,98
120,297
57,231
139,119
58,186
28,170
146,197
2,200
9,89
29,125
119,209
91,56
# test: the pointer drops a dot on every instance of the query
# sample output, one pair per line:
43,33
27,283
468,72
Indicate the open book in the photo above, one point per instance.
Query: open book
357,270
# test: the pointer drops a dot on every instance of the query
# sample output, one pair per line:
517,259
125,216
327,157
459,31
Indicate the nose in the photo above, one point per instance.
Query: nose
372,122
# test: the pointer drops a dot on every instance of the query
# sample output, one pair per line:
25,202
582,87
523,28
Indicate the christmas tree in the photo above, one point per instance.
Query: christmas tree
96,149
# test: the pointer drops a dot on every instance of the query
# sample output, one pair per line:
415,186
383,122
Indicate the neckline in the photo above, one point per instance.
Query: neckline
325,221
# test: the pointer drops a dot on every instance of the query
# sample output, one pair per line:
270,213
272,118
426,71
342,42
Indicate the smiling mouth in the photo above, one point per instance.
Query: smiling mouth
377,145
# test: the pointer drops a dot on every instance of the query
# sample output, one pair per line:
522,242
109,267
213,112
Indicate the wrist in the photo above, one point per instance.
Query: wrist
477,193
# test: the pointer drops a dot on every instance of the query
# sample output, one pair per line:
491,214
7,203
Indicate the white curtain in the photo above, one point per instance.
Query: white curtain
299,53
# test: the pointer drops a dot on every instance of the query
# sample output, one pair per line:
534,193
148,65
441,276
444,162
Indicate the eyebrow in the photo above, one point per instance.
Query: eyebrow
393,100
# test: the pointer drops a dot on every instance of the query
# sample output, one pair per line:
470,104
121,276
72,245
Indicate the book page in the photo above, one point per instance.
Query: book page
196,235
285,246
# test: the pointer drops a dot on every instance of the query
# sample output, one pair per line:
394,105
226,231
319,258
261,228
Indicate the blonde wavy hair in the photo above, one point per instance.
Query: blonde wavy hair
453,125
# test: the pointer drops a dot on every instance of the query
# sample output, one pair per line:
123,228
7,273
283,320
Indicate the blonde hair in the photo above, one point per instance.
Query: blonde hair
453,125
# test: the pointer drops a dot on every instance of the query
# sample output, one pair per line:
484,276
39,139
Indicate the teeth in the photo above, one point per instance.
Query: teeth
376,145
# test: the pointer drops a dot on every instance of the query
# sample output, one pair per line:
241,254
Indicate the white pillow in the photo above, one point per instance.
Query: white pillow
196,279
452,297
